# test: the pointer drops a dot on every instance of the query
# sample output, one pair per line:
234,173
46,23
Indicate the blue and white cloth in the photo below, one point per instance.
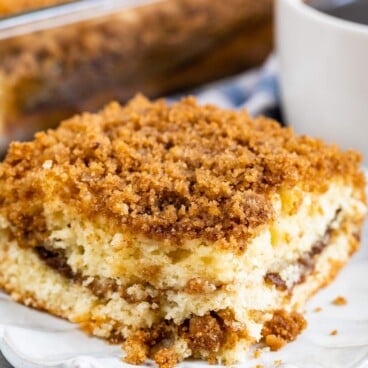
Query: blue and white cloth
256,90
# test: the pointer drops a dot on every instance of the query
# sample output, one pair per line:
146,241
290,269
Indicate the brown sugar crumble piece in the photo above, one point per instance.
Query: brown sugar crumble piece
136,349
205,333
339,301
277,362
333,332
166,358
282,328
317,309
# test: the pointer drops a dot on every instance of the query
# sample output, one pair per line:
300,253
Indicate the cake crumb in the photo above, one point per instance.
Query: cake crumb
259,366
282,328
257,353
136,349
275,342
333,333
317,309
205,333
198,285
277,362
340,300
166,358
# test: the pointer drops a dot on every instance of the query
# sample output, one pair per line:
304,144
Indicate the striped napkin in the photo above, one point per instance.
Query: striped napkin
256,90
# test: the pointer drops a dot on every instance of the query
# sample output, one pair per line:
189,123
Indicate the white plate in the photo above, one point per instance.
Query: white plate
30,339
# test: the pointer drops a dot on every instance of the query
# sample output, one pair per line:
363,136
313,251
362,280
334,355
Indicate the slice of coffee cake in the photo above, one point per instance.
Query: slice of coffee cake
184,231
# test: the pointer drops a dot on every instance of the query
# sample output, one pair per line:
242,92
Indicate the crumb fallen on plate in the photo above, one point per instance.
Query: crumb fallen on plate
277,362
257,353
259,366
317,309
333,332
282,328
340,300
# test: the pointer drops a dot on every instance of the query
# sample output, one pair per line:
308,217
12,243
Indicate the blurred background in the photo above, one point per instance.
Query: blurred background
60,57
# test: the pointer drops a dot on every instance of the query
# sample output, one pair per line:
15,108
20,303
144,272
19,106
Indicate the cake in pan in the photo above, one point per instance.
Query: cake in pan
158,49
181,231
10,7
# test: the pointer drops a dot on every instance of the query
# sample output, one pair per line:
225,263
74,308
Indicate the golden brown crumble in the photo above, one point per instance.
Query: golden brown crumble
166,358
274,342
282,328
317,309
199,285
339,301
136,348
333,332
205,335
169,172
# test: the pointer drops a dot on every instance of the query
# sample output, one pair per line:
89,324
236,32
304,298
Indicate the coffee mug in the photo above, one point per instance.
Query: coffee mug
323,64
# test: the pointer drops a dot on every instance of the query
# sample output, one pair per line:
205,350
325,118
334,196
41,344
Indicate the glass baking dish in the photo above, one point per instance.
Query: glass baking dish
74,57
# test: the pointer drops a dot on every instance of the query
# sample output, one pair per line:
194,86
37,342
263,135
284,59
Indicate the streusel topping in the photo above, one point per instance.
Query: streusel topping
168,172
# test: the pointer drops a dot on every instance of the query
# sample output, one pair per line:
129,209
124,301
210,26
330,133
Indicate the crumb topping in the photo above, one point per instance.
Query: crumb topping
168,172
205,336
282,328
136,349
333,332
198,285
205,333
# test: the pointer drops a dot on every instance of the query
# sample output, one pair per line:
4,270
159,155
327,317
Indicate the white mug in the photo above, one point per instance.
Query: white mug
324,74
